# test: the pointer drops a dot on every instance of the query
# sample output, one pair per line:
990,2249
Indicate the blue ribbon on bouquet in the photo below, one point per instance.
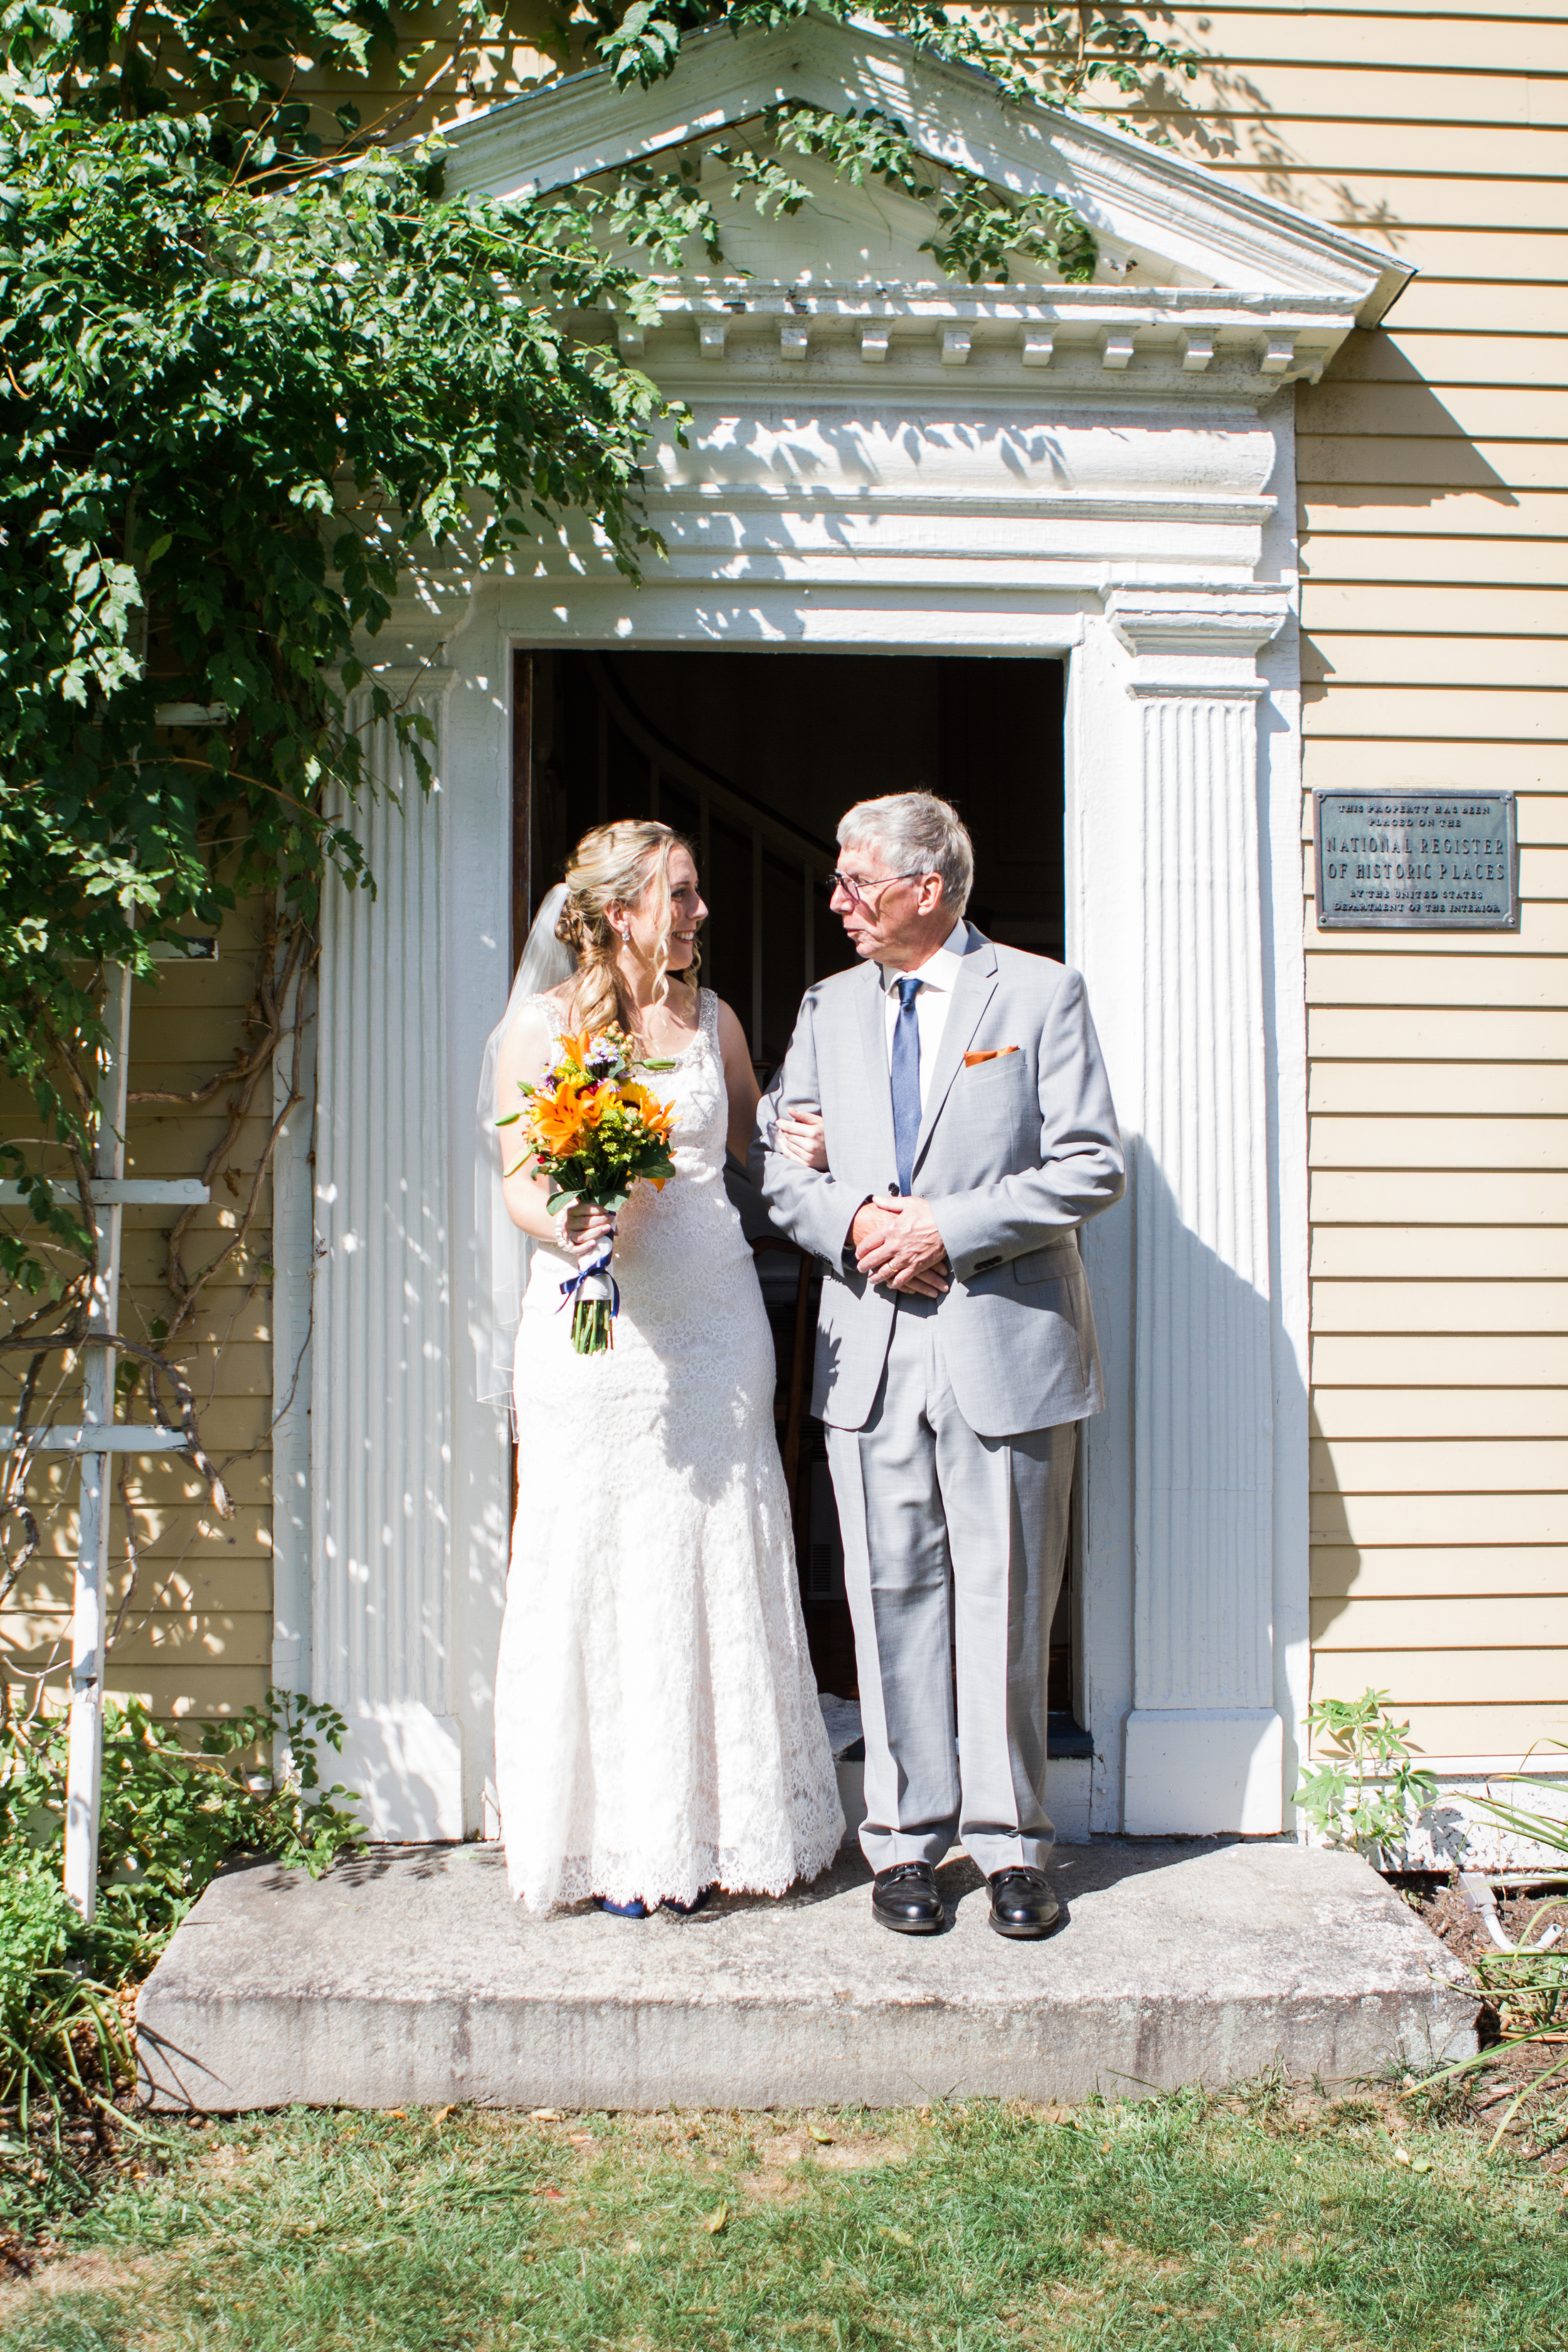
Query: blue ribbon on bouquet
598,1264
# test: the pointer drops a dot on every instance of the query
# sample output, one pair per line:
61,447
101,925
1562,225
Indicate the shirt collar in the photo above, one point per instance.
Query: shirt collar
941,969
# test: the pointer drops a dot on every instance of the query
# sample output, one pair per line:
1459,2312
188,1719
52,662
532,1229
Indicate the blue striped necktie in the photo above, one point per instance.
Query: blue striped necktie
906,1080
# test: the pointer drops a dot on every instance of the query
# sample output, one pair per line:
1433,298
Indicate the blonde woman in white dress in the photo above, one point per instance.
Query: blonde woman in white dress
657,1731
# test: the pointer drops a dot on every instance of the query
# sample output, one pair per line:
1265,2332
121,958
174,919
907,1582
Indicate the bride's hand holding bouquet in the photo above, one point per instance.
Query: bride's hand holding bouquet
594,1132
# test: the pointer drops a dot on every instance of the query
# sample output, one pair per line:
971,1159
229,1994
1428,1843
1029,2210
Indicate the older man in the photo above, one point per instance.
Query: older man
968,1132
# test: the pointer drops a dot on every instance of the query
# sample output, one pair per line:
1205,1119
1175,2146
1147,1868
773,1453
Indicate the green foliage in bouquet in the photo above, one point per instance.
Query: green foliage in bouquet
594,1131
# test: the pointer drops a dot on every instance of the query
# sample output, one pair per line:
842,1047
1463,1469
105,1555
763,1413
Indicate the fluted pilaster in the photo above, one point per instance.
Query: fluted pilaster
381,1354
1203,1741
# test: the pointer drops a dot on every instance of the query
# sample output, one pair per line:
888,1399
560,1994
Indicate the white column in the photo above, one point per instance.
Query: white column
89,1605
381,1344
1203,1740
293,1254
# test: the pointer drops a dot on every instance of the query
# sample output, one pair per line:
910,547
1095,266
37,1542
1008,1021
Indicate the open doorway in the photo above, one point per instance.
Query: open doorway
755,756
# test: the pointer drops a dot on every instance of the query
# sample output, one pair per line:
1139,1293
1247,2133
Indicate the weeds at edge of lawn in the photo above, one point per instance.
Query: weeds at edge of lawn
1184,2221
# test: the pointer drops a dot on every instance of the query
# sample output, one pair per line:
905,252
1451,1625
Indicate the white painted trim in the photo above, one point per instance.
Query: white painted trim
293,1259
383,1387
477,784
1197,1772
1145,197
1285,1033
1143,528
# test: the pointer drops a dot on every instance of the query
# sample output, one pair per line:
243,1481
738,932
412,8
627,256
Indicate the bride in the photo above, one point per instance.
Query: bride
656,1726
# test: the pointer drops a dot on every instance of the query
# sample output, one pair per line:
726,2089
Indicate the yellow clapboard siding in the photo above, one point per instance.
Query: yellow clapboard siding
1487,1733
1441,1518
1508,1090
1347,38
1417,1196
1408,1572
1373,657
1466,610
246,1368
1432,200
1479,1621
201,1690
1423,1413
1506,1360
1410,1031
1453,1306
1329,152
201,1606
1526,1677
1476,305
1542,818
1366,561
1403,355
1389,1253
1438,1466
1351,96
1407,1142
1432,466
1407,511
1418,977
1480,714
1333,763
197,1586
1432,461
165,1485
156,1637
1481,413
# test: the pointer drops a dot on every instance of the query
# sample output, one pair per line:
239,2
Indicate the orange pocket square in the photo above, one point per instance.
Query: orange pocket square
996,1053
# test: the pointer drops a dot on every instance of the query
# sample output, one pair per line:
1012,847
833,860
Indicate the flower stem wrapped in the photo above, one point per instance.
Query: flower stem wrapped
594,1132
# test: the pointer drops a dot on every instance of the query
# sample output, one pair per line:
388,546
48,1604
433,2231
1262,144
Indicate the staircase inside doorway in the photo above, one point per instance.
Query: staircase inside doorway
754,757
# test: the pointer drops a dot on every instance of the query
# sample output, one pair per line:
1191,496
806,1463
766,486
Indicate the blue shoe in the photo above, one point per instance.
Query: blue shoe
686,1909
622,1910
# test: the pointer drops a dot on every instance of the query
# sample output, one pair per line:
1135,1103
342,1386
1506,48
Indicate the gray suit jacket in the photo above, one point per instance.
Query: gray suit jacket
1013,1155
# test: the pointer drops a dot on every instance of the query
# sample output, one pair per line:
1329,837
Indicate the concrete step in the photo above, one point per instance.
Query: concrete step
410,1978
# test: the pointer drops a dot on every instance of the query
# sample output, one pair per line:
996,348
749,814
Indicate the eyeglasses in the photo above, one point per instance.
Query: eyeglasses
858,892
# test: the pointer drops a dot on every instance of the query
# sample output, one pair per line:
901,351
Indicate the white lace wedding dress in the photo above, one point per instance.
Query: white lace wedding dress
656,1723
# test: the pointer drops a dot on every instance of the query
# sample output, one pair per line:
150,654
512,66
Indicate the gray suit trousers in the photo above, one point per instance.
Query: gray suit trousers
945,1531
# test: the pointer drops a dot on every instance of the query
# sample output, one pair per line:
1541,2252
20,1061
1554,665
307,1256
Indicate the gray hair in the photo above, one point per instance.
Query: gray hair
917,834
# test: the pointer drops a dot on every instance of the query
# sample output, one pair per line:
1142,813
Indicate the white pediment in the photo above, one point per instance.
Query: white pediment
1163,224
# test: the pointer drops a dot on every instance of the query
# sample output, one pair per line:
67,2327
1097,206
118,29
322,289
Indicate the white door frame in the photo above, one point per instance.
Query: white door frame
1184,912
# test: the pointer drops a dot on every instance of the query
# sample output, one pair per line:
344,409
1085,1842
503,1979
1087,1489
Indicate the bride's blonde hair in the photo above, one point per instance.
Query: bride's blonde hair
613,865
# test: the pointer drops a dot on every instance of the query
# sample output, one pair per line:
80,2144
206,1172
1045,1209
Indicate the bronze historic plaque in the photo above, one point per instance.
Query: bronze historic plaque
1417,861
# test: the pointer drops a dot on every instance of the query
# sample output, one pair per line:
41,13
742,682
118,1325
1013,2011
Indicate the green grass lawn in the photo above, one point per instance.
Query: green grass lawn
1264,2220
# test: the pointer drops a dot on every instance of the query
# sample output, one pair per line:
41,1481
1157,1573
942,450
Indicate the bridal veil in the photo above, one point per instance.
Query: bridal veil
502,1250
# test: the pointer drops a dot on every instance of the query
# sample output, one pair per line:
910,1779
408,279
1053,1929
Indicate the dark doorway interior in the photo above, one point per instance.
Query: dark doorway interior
755,756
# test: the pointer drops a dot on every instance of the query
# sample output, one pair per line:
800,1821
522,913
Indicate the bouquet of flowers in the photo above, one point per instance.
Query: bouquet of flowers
594,1132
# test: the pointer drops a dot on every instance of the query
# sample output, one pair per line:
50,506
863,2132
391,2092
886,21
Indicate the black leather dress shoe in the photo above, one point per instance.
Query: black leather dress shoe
1022,1903
905,1899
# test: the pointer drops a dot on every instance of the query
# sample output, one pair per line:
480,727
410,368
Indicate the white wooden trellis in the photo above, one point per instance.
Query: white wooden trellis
97,1437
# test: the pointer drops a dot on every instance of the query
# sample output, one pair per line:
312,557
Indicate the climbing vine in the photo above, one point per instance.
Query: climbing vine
255,358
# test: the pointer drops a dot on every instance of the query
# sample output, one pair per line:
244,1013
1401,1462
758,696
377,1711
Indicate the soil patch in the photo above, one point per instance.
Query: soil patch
1540,2126
91,2272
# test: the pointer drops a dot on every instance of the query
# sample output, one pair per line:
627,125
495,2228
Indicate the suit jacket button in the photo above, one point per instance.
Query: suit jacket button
984,1265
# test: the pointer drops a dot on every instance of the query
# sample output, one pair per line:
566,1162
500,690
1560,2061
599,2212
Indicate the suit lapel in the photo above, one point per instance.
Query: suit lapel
973,991
873,1016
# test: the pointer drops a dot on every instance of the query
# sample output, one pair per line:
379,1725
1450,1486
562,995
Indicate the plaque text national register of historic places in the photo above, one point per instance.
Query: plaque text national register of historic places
1417,861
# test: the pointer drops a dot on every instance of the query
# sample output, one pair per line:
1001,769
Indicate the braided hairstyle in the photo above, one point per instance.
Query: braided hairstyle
614,865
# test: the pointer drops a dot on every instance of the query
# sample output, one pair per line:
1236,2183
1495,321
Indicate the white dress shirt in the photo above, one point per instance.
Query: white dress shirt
937,977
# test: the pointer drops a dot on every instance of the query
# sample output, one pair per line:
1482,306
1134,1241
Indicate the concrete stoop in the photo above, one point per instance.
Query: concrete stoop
409,1978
